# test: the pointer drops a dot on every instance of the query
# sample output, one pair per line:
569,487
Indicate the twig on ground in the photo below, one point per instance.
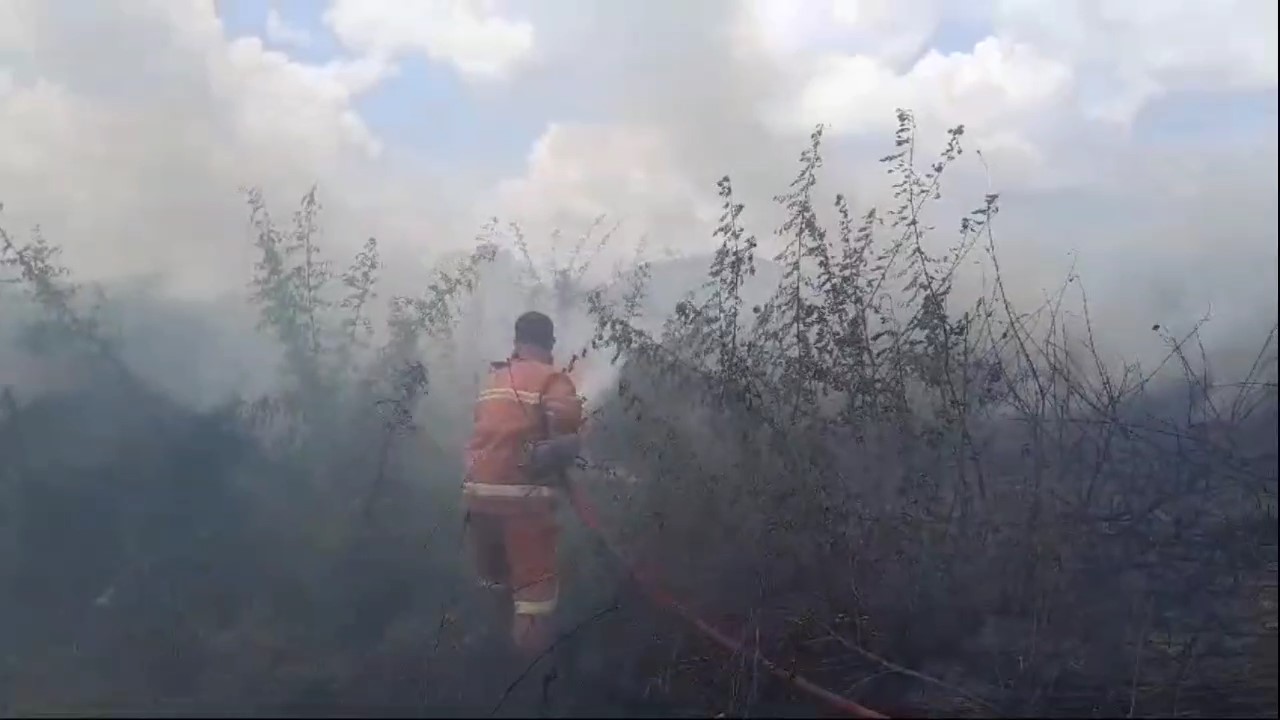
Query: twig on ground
564,637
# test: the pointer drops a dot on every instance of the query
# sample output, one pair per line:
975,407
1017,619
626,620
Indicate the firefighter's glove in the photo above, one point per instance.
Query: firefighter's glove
549,459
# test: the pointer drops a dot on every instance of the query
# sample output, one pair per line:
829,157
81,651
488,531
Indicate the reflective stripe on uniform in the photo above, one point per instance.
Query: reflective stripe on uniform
520,396
526,607
536,607
507,491
523,398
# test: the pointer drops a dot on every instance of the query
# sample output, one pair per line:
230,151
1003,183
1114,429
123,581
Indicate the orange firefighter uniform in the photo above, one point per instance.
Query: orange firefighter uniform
511,523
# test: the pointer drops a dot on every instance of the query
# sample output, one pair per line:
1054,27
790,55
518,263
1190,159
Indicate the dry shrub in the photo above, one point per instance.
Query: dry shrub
935,509
964,508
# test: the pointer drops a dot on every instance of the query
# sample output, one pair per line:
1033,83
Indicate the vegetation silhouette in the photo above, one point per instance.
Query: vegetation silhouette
929,507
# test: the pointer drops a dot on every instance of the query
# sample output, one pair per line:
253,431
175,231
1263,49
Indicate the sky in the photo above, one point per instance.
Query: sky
1134,139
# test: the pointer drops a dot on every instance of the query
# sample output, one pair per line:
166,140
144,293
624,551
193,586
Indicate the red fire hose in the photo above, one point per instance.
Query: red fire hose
652,587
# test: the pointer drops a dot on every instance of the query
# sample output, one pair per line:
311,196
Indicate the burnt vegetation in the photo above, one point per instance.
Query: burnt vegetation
928,506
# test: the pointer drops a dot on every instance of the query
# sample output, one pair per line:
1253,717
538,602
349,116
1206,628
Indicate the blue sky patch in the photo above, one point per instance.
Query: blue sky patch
955,35
427,108
1207,115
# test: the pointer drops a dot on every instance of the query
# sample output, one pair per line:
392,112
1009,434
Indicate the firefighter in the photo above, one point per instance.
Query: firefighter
525,437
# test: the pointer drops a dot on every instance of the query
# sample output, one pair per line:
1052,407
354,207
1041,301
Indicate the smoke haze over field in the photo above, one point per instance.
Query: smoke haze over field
256,255
1140,136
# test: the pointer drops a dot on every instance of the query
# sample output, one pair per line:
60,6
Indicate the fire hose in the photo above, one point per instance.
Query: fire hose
652,587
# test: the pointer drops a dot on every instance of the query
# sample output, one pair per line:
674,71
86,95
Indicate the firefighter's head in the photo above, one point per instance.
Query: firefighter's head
535,334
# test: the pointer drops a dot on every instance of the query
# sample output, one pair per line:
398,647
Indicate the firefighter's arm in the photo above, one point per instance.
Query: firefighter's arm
563,406
564,419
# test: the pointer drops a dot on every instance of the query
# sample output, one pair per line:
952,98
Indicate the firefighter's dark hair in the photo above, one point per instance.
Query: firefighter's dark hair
535,328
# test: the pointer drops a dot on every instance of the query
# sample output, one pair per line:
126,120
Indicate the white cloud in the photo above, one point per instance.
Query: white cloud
1050,91
271,93
468,34
140,173
1001,90
1046,73
892,31
1225,44
127,127
1131,53
279,31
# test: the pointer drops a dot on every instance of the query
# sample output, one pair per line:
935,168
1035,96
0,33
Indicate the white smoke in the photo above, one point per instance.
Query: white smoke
597,380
